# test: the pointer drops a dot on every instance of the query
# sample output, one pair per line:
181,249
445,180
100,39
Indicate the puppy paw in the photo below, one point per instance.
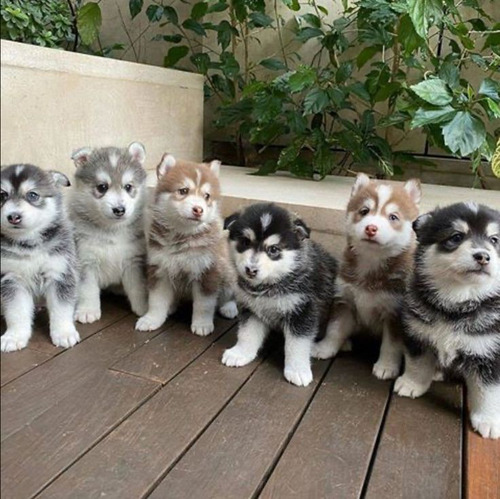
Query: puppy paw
148,323
406,387
385,371
87,315
229,310
65,337
298,376
487,426
323,350
10,341
202,328
236,357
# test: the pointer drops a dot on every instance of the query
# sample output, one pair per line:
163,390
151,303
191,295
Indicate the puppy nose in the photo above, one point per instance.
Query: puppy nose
14,218
371,230
197,211
481,257
119,211
250,271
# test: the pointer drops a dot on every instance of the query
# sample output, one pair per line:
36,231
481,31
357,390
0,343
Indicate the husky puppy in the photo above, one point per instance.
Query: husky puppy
376,263
452,318
107,207
286,281
187,249
38,256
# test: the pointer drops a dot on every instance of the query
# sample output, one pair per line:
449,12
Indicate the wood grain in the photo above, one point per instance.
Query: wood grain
15,364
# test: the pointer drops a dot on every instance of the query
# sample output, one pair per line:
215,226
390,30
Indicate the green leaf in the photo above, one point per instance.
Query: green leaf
303,78
495,160
217,7
394,119
343,72
490,88
292,4
199,10
174,55
493,40
154,13
450,74
273,64
135,7
267,168
425,13
315,101
201,61
89,20
260,20
230,65
224,33
171,14
172,38
407,36
387,91
305,34
434,91
366,54
312,19
194,26
464,134
432,116
493,107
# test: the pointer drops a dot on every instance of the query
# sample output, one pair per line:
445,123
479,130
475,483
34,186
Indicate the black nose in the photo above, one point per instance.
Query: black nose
481,257
14,218
119,211
250,271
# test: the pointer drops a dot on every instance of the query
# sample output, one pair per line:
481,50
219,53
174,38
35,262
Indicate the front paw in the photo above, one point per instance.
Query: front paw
323,350
229,310
87,315
385,371
488,426
65,337
298,376
148,323
406,387
10,341
236,357
202,328
139,307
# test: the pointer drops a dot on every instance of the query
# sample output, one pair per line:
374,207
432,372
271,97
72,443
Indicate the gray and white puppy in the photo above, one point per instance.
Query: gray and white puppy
107,207
286,281
452,317
38,256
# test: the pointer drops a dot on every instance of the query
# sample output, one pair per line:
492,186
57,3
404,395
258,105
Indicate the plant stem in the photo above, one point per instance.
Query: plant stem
278,25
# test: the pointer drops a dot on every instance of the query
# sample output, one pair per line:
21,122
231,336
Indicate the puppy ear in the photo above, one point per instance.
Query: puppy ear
59,178
302,230
166,164
81,156
215,167
137,151
230,220
413,188
421,221
362,180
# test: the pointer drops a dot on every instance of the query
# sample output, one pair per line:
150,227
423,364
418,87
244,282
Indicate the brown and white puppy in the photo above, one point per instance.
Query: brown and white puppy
187,248
376,263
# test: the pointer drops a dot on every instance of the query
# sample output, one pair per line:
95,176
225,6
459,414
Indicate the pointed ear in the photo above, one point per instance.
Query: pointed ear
421,221
59,178
166,164
230,220
137,151
81,156
302,230
413,188
362,180
215,167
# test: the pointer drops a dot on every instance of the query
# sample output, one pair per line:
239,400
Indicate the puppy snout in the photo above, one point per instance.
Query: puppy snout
14,218
481,257
197,211
251,271
371,230
119,211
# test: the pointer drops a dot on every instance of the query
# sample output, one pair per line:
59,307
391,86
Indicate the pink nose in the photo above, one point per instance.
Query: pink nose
371,230
197,211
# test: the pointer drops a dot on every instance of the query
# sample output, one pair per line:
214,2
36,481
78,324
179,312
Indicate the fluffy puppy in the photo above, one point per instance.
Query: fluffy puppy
376,263
107,209
187,249
452,317
38,256
286,281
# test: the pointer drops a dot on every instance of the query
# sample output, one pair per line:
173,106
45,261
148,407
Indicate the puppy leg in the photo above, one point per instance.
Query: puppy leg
88,308
18,309
161,299
251,336
484,407
417,378
61,299
388,364
298,357
134,284
339,328
227,304
204,305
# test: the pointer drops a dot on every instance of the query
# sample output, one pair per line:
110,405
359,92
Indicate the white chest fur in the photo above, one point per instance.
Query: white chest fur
271,306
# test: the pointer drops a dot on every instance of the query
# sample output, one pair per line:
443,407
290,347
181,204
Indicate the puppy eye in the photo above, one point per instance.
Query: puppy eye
128,187
273,250
183,191
393,217
207,196
32,196
494,240
456,238
3,196
102,188
364,211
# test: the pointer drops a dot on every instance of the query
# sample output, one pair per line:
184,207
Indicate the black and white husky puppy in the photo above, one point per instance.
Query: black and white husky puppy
452,318
38,256
107,207
286,281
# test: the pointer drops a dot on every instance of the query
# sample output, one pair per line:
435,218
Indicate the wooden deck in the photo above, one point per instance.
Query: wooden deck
128,415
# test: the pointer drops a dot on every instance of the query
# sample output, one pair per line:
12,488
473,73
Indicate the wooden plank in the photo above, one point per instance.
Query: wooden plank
27,397
235,453
35,455
329,454
138,453
482,471
15,364
162,357
420,447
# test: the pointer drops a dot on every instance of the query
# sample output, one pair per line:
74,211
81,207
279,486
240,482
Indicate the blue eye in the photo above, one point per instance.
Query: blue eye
32,196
